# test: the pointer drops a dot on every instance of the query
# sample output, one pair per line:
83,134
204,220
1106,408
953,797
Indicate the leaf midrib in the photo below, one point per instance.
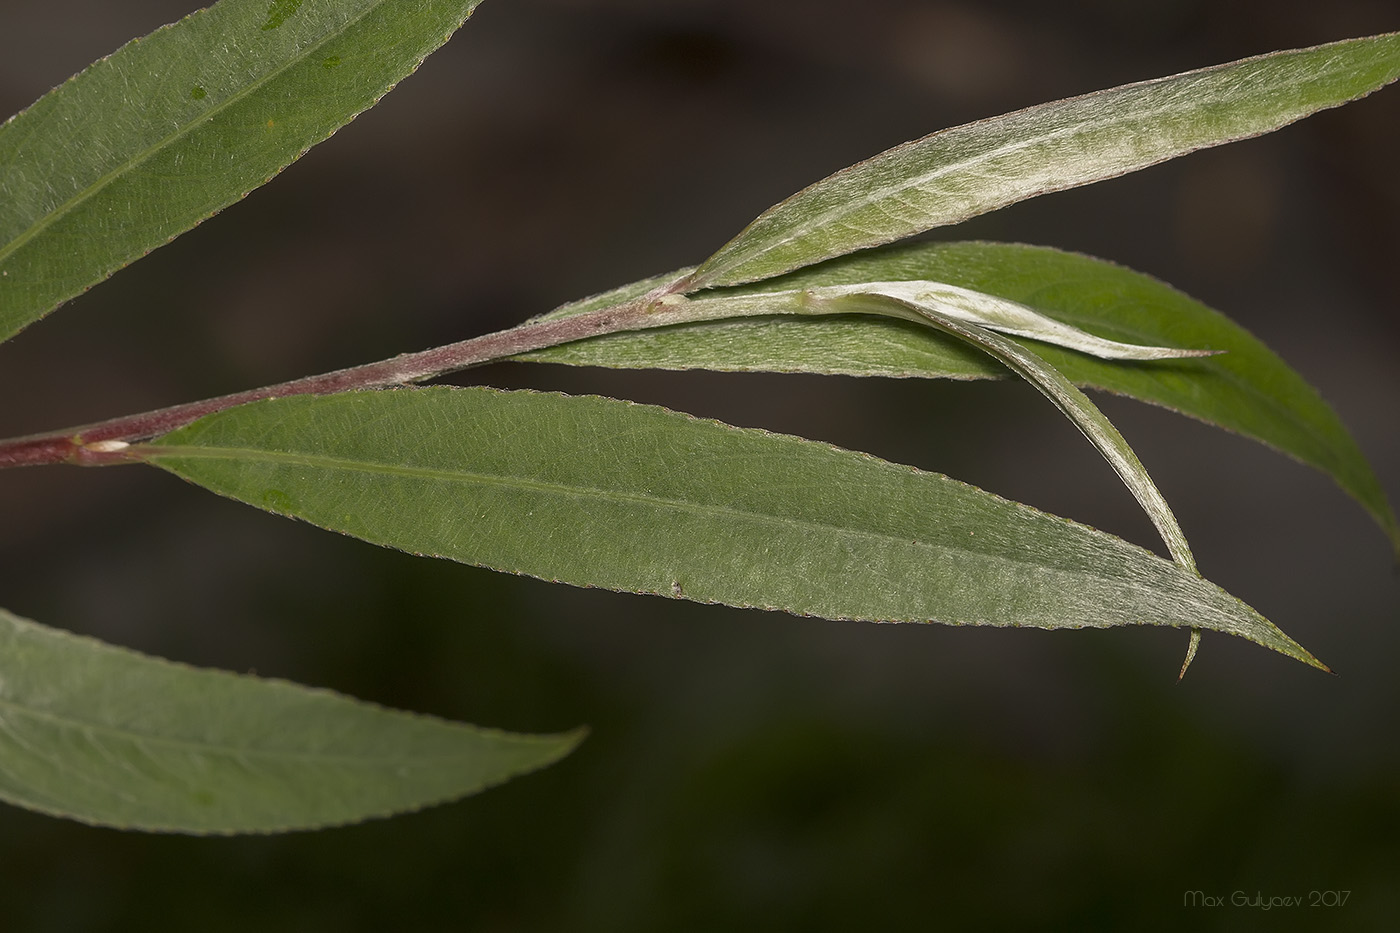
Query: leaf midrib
852,206
848,207
164,143
69,722
1282,411
318,461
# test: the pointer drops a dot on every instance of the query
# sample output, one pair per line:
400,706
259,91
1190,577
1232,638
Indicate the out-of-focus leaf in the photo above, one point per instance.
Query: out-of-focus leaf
149,141
105,735
598,492
958,173
1246,388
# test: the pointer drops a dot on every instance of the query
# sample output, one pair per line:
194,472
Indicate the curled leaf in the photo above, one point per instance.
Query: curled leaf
1051,383
962,304
1247,388
1007,317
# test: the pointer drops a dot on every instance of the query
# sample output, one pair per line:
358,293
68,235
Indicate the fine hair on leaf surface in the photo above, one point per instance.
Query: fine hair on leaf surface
1245,387
602,492
649,500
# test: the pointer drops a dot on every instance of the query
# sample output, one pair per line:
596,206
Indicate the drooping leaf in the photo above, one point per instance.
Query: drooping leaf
1246,388
1051,383
1002,316
951,311
105,735
598,492
167,130
962,304
954,312
976,319
958,173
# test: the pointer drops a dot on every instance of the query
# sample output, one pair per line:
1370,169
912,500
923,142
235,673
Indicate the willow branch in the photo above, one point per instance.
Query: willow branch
104,442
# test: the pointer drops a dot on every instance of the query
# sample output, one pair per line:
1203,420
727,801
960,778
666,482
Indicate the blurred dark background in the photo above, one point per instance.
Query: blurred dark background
746,770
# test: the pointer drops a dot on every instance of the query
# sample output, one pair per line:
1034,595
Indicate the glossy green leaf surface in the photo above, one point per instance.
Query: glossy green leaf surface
1247,389
156,137
105,735
958,173
599,492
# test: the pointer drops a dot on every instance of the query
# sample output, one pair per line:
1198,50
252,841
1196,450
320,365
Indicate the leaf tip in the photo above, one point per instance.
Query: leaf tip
560,746
572,739
553,748
1191,648
1298,652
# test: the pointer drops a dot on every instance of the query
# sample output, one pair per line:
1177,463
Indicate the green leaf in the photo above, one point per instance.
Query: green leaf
598,492
105,735
1246,388
169,129
978,167
955,311
1051,383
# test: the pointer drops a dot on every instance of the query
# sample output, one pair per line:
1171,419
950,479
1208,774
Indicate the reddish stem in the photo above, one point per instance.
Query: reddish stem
105,442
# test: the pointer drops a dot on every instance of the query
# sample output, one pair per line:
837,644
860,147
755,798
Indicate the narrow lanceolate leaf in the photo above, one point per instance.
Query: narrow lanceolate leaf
149,141
104,735
1051,383
968,170
1246,388
1000,315
957,303
597,492
975,318
952,311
